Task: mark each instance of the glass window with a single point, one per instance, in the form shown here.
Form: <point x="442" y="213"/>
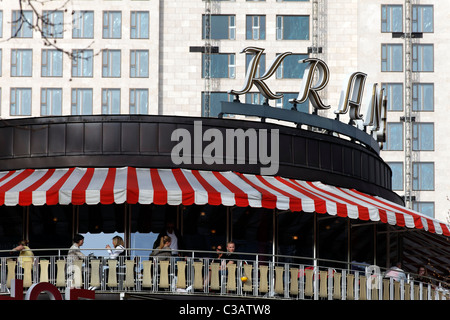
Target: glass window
<point x="285" y="104"/>
<point x="423" y="176"/>
<point x="1" y="23"/>
<point x="110" y="101"/>
<point x="51" y="63"/>
<point x="82" y="63"/>
<point x="391" y="57"/>
<point x="139" y="24"/>
<point x="215" y="99"/>
<point x="391" y="18"/>
<point x="423" y="97"/>
<point x="255" y="28"/>
<point x="83" y="25"/>
<point x="111" y="63"/>
<point x="139" y="64"/>
<point x="422" y="18"/>
<point x="290" y="68"/>
<point x="423" y="58"/>
<point x="21" y="62"/>
<point x="1" y="62"/>
<point x="394" y="94"/>
<point x="423" y="136"/>
<point x="397" y="175"/>
<point x="220" y="27"/>
<point x="292" y="27"/>
<point x="81" y="103"/>
<point x="426" y="208"/>
<point x="51" y="101"/>
<point x="394" y="136"/>
<point x="20" y="102"/>
<point x="138" y="101"/>
<point x="112" y="25"/>
<point x="222" y="66"/>
<point x="22" y="24"/>
<point x="52" y="24"/>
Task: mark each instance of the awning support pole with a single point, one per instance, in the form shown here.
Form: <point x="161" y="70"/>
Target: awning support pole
<point x="315" y="250"/>
<point x="349" y="244"/>
<point x="274" y="234"/>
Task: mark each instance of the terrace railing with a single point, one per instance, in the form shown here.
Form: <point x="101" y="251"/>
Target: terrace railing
<point x="197" y="273"/>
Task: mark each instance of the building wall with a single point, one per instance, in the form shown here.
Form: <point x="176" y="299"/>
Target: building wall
<point x="349" y="33"/>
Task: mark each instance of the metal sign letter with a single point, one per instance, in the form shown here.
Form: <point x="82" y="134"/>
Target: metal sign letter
<point x="259" y="82"/>
<point x="351" y="96"/>
<point x="307" y="89"/>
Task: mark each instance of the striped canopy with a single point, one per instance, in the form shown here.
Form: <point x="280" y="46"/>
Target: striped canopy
<point x="92" y="186"/>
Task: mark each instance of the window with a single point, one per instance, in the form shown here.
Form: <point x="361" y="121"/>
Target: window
<point x="51" y="101"/>
<point x="110" y="101"/>
<point x="423" y="136"/>
<point x="1" y="62"/>
<point x="222" y="66"/>
<point x="111" y="63"/>
<point x="423" y="96"/>
<point x="20" y="102"/>
<point x="112" y="25"/>
<point x="83" y="25"/>
<point x="255" y="28"/>
<point x="394" y="94"/>
<point x="262" y="64"/>
<point x="220" y="27"/>
<point x="139" y="64"/>
<point x="423" y="176"/>
<point x="22" y="24"/>
<point x="290" y="68"/>
<point x="52" y="24"/>
<point x="426" y="208"/>
<point x="1" y="23"/>
<point x="422" y="58"/>
<point x="292" y="27"/>
<point x="391" y="57"/>
<point x="422" y="18"/>
<point x="215" y="98"/>
<point x="391" y="18"/>
<point x="394" y="136"/>
<point x="285" y="104"/>
<point x="138" y="101"/>
<point x="254" y="98"/>
<point x="81" y="103"/>
<point x="82" y="64"/>
<point x="397" y="175"/>
<point x="21" y="62"/>
<point x="51" y="63"/>
<point x="139" y="24"/>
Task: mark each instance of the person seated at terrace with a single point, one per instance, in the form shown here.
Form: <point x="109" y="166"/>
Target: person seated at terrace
<point x="25" y="253"/>
<point x="119" y="249"/>
<point x="177" y="242"/>
<point x="396" y="272"/>
<point x="422" y="275"/>
<point x="163" y="251"/>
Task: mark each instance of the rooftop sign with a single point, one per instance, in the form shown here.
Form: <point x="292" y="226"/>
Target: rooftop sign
<point x="351" y="98"/>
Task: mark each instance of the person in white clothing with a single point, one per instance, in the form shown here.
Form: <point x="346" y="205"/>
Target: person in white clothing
<point x="119" y="248"/>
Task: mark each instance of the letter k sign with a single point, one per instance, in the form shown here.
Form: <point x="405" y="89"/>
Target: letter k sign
<point x="259" y="82"/>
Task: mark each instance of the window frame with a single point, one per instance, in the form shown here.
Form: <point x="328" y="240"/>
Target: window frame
<point x="82" y="26"/>
<point x="388" y="47"/>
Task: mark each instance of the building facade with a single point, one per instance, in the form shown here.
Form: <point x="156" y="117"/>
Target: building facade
<point x="181" y="57"/>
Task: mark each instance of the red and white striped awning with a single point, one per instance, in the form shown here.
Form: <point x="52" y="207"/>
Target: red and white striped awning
<point x="181" y="186"/>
